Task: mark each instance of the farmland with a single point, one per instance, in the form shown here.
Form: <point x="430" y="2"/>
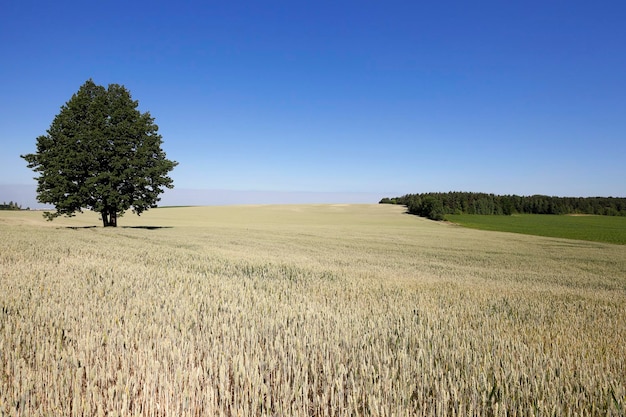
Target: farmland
<point x="335" y="310"/>
<point x="610" y="229"/>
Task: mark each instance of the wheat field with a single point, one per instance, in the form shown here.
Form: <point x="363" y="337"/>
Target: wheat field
<point x="305" y="310"/>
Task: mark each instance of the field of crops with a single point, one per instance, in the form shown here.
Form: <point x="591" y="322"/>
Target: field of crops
<point x="326" y="310"/>
<point x="610" y="229"/>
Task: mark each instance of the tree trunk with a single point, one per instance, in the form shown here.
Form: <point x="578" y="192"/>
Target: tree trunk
<point x="109" y="218"/>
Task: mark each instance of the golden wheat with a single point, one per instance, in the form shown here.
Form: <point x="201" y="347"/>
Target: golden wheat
<point x="305" y="310"/>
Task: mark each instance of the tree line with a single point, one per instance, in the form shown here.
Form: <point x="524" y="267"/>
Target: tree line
<point x="11" y="206"/>
<point x="436" y="205"/>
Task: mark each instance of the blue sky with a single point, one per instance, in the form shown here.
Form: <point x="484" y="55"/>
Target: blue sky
<point x="275" y="101"/>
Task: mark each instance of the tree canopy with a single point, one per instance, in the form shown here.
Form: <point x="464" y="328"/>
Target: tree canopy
<point x="100" y="153"/>
<point x="436" y="205"/>
<point x="10" y="206"/>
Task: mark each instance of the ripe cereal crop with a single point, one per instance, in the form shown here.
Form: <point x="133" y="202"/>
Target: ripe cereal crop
<point x="305" y="310"/>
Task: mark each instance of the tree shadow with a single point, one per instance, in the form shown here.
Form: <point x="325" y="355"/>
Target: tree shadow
<point x="120" y="227"/>
<point x="147" y="227"/>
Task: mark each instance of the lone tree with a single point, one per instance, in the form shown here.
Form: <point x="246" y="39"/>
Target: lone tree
<point x="102" y="154"/>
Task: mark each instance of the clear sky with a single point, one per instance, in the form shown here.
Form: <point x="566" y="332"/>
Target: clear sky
<point x="344" y="100"/>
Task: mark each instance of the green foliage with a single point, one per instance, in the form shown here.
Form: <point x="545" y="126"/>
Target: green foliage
<point x="481" y="203"/>
<point x="10" y="206"/>
<point x="429" y="207"/>
<point x="610" y="229"/>
<point x="101" y="153"/>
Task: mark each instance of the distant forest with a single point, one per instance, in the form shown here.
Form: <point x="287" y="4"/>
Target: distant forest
<point x="10" y="206"/>
<point x="436" y="205"/>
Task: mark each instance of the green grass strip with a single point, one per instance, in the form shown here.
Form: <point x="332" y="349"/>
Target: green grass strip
<point x="609" y="229"/>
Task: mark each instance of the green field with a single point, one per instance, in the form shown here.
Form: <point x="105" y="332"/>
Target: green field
<point x="610" y="229"/>
<point x="305" y="310"/>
